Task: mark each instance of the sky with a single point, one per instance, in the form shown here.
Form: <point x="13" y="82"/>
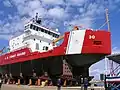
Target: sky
<point x="60" y="14"/>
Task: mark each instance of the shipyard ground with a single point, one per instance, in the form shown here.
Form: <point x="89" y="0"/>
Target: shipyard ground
<point x="25" y="87"/>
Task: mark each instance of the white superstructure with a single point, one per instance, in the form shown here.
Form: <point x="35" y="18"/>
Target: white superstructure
<point x="35" y="37"/>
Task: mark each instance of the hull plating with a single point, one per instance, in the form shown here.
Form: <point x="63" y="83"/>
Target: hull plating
<point x="53" y="65"/>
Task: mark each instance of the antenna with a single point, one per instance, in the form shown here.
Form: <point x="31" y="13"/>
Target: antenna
<point x="36" y="16"/>
<point x="37" y="19"/>
<point x="107" y="20"/>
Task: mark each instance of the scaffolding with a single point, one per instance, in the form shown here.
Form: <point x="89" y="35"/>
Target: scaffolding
<point x="112" y="80"/>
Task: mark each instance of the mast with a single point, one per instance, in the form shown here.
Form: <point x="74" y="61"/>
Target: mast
<point x="107" y="20"/>
<point x="36" y="17"/>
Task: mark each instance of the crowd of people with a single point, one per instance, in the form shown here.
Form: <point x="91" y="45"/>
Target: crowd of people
<point x="42" y="81"/>
<point x="29" y="80"/>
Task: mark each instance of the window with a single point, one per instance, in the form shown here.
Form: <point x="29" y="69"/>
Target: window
<point x="45" y="31"/>
<point x="45" y="48"/>
<point x="37" y="46"/>
<point x="57" y="36"/>
<point x="37" y="28"/>
<point x="49" y="32"/>
<point x="31" y="26"/>
<point x="42" y="30"/>
<point x="53" y="35"/>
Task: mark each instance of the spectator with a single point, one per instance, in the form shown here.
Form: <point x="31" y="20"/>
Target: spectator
<point x="1" y="81"/>
<point x="85" y="84"/>
<point x="59" y="84"/>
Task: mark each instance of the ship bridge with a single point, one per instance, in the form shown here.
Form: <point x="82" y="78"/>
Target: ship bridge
<point x="35" y="36"/>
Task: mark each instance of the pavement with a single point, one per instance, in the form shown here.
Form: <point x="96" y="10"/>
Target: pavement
<point x="25" y="87"/>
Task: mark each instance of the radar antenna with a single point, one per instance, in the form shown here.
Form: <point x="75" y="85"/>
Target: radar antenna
<point x="36" y="16"/>
<point x="38" y="20"/>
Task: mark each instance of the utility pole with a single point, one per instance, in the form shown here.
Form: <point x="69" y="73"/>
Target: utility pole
<point x="107" y="20"/>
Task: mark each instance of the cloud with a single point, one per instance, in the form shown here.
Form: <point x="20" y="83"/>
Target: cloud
<point x="15" y="26"/>
<point x="53" y="2"/>
<point x="115" y="49"/>
<point x="56" y="14"/>
<point x="76" y="2"/>
<point x="18" y="2"/>
<point x="7" y="3"/>
<point x="84" y="21"/>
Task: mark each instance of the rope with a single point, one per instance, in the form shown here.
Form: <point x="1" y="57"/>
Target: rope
<point x="102" y="25"/>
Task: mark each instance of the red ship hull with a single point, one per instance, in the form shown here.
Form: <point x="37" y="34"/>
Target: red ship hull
<point x="52" y="61"/>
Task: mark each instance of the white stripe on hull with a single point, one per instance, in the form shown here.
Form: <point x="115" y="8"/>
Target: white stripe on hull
<point x="75" y="42"/>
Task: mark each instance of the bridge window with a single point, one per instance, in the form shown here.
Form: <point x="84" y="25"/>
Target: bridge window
<point x="55" y="35"/>
<point x="43" y="30"/>
<point x="31" y="26"/>
<point x="37" y="28"/>
<point x="49" y="32"/>
<point x="34" y="27"/>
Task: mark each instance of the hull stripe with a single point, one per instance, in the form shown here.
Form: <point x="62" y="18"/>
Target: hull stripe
<point x="75" y="42"/>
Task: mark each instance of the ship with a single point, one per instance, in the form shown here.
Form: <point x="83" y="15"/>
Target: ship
<point x="39" y="50"/>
